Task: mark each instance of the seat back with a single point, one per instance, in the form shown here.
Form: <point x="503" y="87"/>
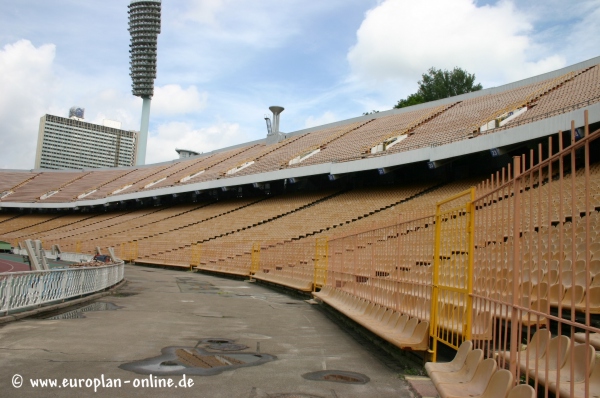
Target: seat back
<point x="522" y="391"/>
<point x="499" y="385"/>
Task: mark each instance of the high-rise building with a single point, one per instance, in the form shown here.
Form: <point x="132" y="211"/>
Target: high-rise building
<point x="71" y="143"/>
<point x="144" y="27"/>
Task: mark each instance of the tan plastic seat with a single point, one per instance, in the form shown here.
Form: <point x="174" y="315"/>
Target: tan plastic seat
<point x="498" y="387"/>
<point x="594" y="385"/>
<point x="522" y="391"/>
<point x="534" y="350"/>
<point x="474" y="387"/>
<point x="537" y="346"/>
<point x="594" y="339"/>
<point x="554" y="358"/>
<point x="408" y="330"/>
<point x="419" y="340"/>
<point x="455" y="364"/>
<point x="582" y="354"/>
<point x="464" y="374"/>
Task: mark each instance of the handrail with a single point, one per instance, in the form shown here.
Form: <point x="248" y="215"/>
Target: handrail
<point x="22" y="290"/>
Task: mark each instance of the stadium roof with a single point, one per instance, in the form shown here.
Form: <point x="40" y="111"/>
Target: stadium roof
<point x="555" y="97"/>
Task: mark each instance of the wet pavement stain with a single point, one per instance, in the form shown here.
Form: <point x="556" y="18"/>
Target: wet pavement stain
<point x="337" y="376"/>
<point x="177" y="360"/>
<point x="79" y="312"/>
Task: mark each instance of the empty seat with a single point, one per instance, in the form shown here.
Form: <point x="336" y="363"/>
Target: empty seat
<point x="473" y="387"/>
<point x="464" y="374"/>
<point x="455" y="364"/>
<point x="521" y="391"/>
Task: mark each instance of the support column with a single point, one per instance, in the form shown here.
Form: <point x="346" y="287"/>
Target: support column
<point x="143" y="137"/>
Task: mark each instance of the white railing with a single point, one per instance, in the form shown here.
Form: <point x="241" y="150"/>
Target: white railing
<point x="20" y="290"/>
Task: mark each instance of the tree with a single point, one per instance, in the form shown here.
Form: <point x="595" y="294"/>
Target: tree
<point x="437" y="84"/>
<point x="370" y="113"/>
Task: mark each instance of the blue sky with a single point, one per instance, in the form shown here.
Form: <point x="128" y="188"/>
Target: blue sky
<point x="222" y="63"/>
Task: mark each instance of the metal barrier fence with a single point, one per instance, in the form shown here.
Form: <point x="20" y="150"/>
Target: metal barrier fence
<point x="537" y="265"/>
<point x="513" y="265"/>
<point x="22" y="290"/>
<point x="389" y="266"/>
<point x="451" y="304"/>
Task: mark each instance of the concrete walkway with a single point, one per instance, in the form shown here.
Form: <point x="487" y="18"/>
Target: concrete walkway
<point x="164" y="308"/>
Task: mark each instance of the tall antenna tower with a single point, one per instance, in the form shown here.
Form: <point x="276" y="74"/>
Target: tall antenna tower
<point x="144" y="27"/>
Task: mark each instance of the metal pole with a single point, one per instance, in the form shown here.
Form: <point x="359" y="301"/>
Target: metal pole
<point x="143" y="136"/>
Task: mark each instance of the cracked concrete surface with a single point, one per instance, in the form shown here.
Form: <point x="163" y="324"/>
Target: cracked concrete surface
<point x="159" y="315"/>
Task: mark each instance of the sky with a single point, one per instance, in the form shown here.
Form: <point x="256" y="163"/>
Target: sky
<point x="222" y="63"/>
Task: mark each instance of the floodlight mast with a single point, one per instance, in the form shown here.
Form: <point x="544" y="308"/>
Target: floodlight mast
<point x="144" y="27"/>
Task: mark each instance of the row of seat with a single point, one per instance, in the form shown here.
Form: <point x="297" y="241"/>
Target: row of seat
<point x="398" y="329"/>
<point x="469" y="375"/>
<point x="559" y="364"/>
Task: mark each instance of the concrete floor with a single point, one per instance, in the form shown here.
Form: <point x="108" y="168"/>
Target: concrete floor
<point x="163" y="308"/>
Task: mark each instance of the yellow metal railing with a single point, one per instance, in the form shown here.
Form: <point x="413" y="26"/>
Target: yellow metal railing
<point x="255" y="259"/>
<point x="196" y="255"/>
<point x="451" y="302"/>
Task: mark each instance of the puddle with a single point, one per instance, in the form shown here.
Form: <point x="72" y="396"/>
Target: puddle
<point x="255" y="336"/>
<point x="292" y="395"/>
<point x="124" y="294"/>
<point x="337" y="376"/>
<point x="195" y="361"/>
<point x="189" y="285"/>
<point x="79" y="312"/>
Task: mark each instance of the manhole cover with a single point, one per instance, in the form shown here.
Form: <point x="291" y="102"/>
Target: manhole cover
<point x="78" y="312"/>
<point x="195" y="361"/>
<point x="338" y="376"/>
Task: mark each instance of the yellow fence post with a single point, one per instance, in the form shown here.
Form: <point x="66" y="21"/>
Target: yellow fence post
<point x="321" y="260"/>
<point x="255" y="258"/>
<point x="452" y="282"/>
<point x="134" y="253"/>
<point x="196" y="255"/>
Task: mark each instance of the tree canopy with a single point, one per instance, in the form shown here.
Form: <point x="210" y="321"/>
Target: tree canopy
<point x="437" y="84"/>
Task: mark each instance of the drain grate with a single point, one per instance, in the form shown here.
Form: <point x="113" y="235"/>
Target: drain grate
<point x="215" y="340"/>
<point x="228" y="347"/>
<point x="337" y="376"/>
<point x="222" y="344"/>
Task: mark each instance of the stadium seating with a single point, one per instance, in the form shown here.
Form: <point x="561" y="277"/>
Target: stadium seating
<point x="536" y="257"/>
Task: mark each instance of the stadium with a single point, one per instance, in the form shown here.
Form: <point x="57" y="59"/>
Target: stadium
<point x="468" y="224"/>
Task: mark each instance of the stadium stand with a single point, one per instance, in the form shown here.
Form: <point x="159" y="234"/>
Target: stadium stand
<point x="421" y="251"/>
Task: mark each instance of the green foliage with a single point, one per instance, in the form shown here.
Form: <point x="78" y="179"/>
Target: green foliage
<point x="437" y="84"/>
<point x="370" y="113"/>
<point x="413" y="99"/>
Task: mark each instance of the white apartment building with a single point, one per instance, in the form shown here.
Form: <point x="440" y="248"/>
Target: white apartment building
<point x="71" y="143"/>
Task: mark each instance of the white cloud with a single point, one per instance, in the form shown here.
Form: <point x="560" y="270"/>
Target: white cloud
<point x="28" y="83"/>
<point x="401" y="39"/>
<point x="182" y="135"/>
<point x="172" y="100"/>
<point x="327" y="117"/>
